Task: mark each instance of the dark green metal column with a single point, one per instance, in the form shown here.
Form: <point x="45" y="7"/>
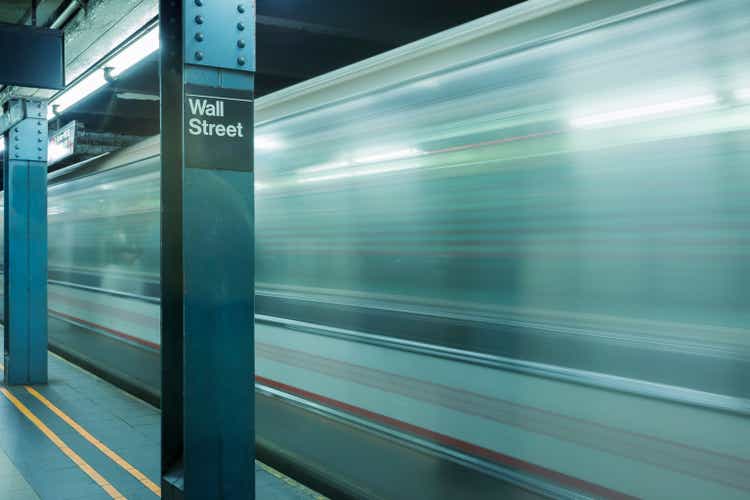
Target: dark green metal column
<point x="207" y="274"/>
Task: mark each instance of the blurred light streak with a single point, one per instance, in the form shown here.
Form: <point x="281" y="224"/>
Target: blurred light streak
<point x="388" y="155"/>
<point x="648" y="111"/>
<point x="267" y="143"/>
<point x="742" y="94"/>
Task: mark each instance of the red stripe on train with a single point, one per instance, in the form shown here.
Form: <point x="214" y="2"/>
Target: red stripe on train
<point x="116" y="333"/>
<point x="451" y="442"/>
<point x="437" y="437"/>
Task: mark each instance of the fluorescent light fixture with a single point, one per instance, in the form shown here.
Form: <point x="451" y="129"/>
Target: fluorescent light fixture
<point x="80" y="90"/>
<point x="267" y="143"/>
<point x="388" y="156"/>
<point x="2" y="144"/>
<point x="742" y="94"/>
<point x="120" y="62"/>
<point x="135" y="52"/>
<point x="648" y="111"/>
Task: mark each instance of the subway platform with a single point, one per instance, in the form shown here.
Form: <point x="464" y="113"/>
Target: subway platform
<point x="81" y="438"/>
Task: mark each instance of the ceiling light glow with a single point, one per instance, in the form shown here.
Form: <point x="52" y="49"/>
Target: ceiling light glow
<point x="135" y="52"/>
<point x="120" y="62"/>
<point x="80" y="90"/>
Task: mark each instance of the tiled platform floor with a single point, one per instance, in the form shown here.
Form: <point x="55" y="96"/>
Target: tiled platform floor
<point x="32" y="466"/>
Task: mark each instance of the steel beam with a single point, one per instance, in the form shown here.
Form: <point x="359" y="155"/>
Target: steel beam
<point x="25" y="250"/>
<point x="207" y="69"/>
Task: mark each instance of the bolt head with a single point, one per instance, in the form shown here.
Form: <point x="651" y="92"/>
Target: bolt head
<point x="241" y="61"/>
<point x="241" y="43"/>
<point x="198" y="19"/>
<point x="240" y="26"/>
<point x="199" y="37"/>
<point x="199" y="3"/>
<point x="199" y="55"/>
<point x="241" y="9"/>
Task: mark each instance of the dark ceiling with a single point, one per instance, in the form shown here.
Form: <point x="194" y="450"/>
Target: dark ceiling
<point x="296" y="40"/>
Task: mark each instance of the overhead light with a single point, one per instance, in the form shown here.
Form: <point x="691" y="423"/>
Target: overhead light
<point x="72" y="95"/>
<point x="647" y="111"/>
<point x="267" y="143"/>
<point x="388" y="155"/>
<point x="135" y="52"/>
<point x="120" y="62"/>
<point x="2" y="144"/>
<point x="742" y="94"/>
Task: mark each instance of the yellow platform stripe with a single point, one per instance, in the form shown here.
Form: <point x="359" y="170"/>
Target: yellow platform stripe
<point x="291" y="482"/>
<point x="96" y="443"/>
<point x="72" y="455"/>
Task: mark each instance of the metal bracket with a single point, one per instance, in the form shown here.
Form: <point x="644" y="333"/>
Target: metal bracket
<point x="13" y="112"/>
<point x="108" y="74"/>
<point x="25" y="124"/>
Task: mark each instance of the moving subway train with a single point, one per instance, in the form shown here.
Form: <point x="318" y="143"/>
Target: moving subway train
<point x="506" y="261"/>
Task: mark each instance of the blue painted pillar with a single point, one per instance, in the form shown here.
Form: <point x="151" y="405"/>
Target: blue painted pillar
<point x="25" y="249"/>
<point x="207" y="274"/>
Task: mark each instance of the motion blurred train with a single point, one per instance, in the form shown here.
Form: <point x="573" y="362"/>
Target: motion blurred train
<point x="506" y="261"/>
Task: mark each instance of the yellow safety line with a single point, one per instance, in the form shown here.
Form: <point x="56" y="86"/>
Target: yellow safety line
<point x="291" y="482"/>
<point x="98" y="444"/>
<point x="81" y="463"/>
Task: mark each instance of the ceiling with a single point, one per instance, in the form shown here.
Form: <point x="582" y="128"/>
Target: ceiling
<point x="19" y="11"/>
<point x="296" y="40"/>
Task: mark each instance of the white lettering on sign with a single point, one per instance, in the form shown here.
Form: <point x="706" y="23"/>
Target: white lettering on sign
<point x="201" y="126"/>
<point x="203" y="107"/>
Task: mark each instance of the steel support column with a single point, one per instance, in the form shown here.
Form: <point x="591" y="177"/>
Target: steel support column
<point x="25" y="250"/>
<point x="207" y="270"/>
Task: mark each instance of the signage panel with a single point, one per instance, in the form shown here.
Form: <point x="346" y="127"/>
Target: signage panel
<point x="31" y="57"/>
<point x="218" y="128"/>
<point x="62" y="143"/>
